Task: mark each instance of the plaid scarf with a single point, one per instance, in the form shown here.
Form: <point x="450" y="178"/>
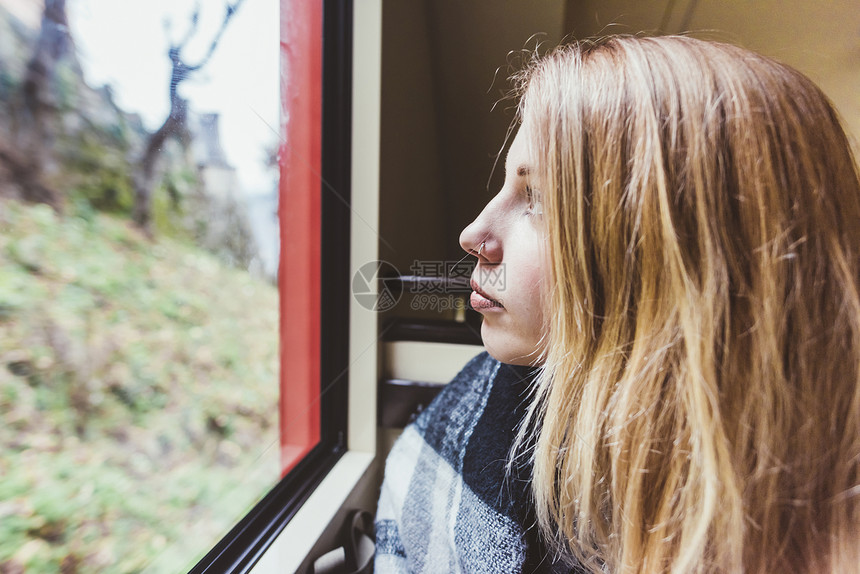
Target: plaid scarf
<point x="447" y="503"/>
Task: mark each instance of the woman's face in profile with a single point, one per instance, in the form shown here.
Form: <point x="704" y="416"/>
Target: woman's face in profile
<point x="508" y="280"/>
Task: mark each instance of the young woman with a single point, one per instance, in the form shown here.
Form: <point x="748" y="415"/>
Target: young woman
<point x="680" y="231"/>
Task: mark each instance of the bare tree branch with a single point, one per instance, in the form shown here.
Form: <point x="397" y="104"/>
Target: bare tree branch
<point x="192" y="29"/>
<point x="228" y="14"/>
<point x="174" y="124"/>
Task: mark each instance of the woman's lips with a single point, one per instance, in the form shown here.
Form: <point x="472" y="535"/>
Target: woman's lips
<point x="480" y="301"/>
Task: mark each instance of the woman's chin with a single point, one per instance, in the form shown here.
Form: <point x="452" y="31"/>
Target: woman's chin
<point x="507" y="348"/>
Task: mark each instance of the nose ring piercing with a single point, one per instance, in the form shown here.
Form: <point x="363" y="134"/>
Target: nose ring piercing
<point x="481" y="247"/>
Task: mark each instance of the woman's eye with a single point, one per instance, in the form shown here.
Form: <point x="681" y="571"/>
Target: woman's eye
<point x="534" y="201"/>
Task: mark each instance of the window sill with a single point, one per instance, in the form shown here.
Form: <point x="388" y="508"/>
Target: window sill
<point x="293" y="545"/>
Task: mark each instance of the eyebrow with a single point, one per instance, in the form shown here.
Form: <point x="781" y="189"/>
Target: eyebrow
<point x="523" y="171"/>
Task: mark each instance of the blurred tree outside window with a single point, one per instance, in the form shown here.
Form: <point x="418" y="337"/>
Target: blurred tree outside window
<point x="138" y="335"/>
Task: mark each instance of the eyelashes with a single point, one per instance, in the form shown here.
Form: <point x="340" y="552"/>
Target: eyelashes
<point x="535" y="205"/>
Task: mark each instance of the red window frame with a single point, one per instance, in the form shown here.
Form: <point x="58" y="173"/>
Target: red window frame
<point x="299" y="212"/>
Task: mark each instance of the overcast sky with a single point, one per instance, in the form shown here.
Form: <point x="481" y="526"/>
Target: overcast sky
<point x="124" y="43"/>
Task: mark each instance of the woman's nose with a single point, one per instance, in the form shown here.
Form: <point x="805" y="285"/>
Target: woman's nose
<point x="484" y="236"/>
<point x="470" y="238"/>
<point x="478" y="238"/>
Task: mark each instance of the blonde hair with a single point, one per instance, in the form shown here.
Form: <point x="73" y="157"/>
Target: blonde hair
<point x="699" y="406"/>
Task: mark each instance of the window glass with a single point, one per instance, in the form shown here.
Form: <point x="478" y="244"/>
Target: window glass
<point x="139" y="323"/>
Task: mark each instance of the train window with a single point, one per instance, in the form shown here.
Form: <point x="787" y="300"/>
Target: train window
<point x="162" y="345"/>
